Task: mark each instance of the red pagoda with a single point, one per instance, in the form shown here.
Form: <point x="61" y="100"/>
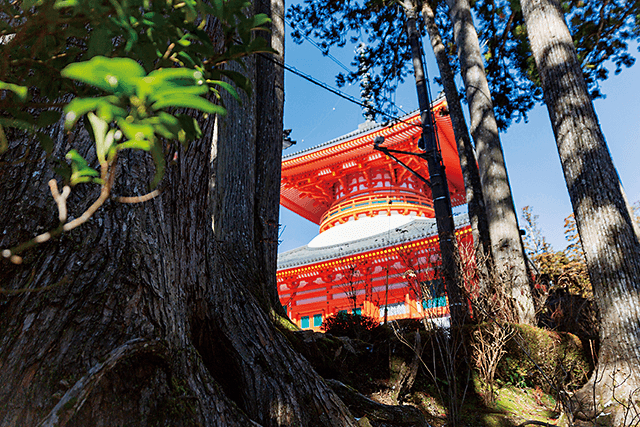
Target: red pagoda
<point x="377" y="251"/>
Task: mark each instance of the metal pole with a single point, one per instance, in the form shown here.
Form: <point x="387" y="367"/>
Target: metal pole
<point x="437" y="177"/>
<point x="386" y="295"/>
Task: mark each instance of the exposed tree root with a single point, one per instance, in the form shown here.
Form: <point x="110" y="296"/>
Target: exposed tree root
<point x="362" y="406"/>
<point x="75" y="397"/>
<point x="611" y="396"/>
<point x="536" y="423"/>
<point x="407" y="373"/>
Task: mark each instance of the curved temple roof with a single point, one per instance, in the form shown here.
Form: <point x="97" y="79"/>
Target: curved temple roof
<point x="417" y="228"/>
<point x="308" y="174"/>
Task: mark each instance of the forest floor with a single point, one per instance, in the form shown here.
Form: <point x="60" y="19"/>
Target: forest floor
<point x="513" y="407"/>
<point x="536" y="366"/>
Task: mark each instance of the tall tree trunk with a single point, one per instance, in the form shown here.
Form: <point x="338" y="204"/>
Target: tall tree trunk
<point x="506" y="246"/>
<point x="269" y="136"/>
<point x="142" y="315"/>
<point x="252" y="166"/>
<point x="610" y="244"/>
<point x="451" y="267"/>
<point x="468" y="163"/>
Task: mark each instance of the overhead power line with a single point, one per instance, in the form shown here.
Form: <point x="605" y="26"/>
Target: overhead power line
<point x="335" y="91"/>
<point x="329" y="55"/>
<point x="324" y="52"/>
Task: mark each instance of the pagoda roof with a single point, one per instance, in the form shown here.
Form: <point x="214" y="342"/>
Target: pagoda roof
<point x="417" y="229"/>
<point x="304" y="172"/>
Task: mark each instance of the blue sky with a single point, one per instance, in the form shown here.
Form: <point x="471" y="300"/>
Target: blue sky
<point x="316" y="116"/>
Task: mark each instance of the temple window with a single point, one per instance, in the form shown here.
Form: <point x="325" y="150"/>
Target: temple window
<point x="317" y="320"/>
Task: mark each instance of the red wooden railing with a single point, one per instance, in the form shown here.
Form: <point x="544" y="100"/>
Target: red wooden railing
<point x="373" y="203"/>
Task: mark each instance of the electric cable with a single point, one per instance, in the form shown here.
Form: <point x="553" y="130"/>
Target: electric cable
<point x="324" y="53"/>
<point x="333" y="58"/>
<point x="337" y="92"/>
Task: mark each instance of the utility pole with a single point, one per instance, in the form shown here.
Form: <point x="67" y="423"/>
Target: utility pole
<point x="429" y="146"/>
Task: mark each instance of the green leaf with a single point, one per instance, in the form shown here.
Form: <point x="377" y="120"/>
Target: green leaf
<point x="217" y="8"/>
<point x="99" y="42"/>
<point x="79" y="107"/>
<point x="109" y="112"/>
<point x="20" y="91"/>
<point x="190" y="12"/>
<point x="190" y="101"/>
<point x="115" y="75"/>
<point x="171" y="80"/>
<point x="184" y="42"/>
<point x="59" y="4"/>
<point x="187" y="59"/>
<point x="80" y="169"/>
<point x="169" y="129"/>
<point x="46" y="142"/>
<point x="190" y="127"/>
<point x="135" y="145"/>
<point x="63" y="169"/>
<point x="166" y="125"/>
<point x="136" y="131"/>
<point x="16" y="123"/>
<point x="47" y="118"/>
<point x="76" y="158"/>
<point x="260" y="20"/>
<point x="102" y="136"/>
<point x="28" y="4"/>
<point x="4" y="144"/>
<point x="104" y="106"/>
<point x="158" y="159"/>
<point x="170" y="91"/>
<point x="239" y="79"/>
<point x="228" y="87"/>
<point x="25" y="117"/>
<point x="179" y="76"/>
<point x="168" y="120"/>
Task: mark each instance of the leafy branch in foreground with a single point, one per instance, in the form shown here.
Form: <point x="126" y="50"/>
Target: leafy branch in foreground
<point x="130" y="70"/>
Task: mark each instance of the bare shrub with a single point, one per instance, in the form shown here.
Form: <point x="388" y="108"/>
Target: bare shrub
<point x="485" y="290"/>
<point x="488" y="344"/>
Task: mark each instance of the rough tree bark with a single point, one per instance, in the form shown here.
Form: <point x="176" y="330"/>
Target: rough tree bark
<point x="147" y="317"/>
<point x="606" y="230"/>
<point x="249" y="232"/>
<point x="270" y="112"/>
<point x="468" y="162"/>
<point x="506" y="246"/>
<point x="451" y="268"/>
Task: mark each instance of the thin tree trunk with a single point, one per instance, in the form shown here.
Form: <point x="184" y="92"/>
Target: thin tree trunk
<point x="468" y="163"/>
<point x="506" y="246"/>
<point x="451" y="267"/>
<point x="611" y="246"/>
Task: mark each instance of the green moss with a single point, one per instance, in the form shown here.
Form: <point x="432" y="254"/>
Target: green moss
<point x="178" y="405"/>
<point x="283" y="322"/>
<point x="495" y="420"/>
<point x="70" y="404"/>
<point x="178" y="387"/>
<point x="547" y="359"/>
<point x="513" y="406"/>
